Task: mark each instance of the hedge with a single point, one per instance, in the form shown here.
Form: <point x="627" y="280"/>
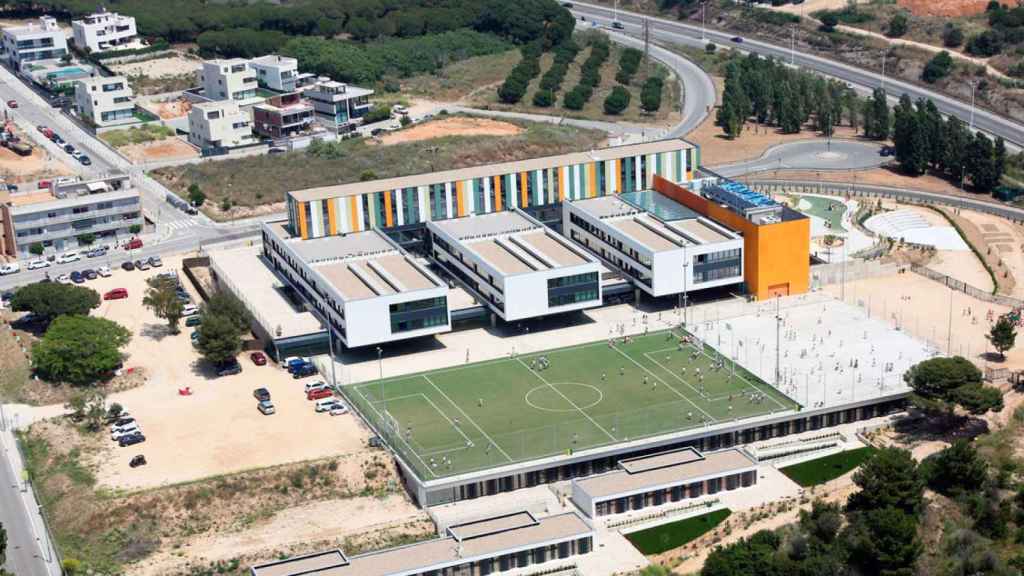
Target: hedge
<point x="650" y="95"/>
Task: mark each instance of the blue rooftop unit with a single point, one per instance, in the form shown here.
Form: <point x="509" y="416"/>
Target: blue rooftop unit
<point x="739" y="197"/>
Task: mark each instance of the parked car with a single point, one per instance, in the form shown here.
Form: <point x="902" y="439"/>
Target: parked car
<point x="9" y="268"/>
<point x="325" y="404"/>
<point x="96" y="252"/>
<point x="194" y="337"/>
<point x="126" y="430"/>
<point x="137" y="461"/>
<point x="103" y="271"/>
<point x="77" y="277"/>
<point x="12" y="103"/>
<point x="122" y="415"/>
<point x="155" y="262"/>
<point x="64" y="279"/>
<point x="258" y="358"/>
<point x="56" y="138"/>
<point x="133" y="244"/>
<point x="141" y="265"/>
<point x="190" y="310"/>
<point x="304" y="371"/>
<point x="85" y="160"/>
<point x="68" y="257"/>
<point x="339" y="409"/>
<point x="127" y="265"/>
<point x="37" y="264"/>
<point x="261" y="394"/>
<point x="116" y="294"/>
<point x="618" y="25"/>
<point x="293" y="363"/>
<point x="375" y="442"/>
<point x="277" y="150"/>
<point x="317" y="385"/>
<point x="131" y="440"/>
<point x="121" y="421"/>
<point x="193" y="321"/>
<point x="229" y="368"/>
<point x="266" y="407"/>
<point x="89" y="274"/>
<point x="69" y="148"/>
<point x="319" y="394"/>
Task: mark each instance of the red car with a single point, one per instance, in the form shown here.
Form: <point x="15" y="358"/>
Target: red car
<point x="258" y="358"/>
<point x="116" y="294"/>
<point x="318" y="393"/>
<point x="133" y="244"/>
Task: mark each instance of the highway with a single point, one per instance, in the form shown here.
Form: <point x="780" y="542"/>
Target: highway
<point x="671" y="31"/>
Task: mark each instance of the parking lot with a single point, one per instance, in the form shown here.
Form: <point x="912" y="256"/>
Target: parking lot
<point x="217" y="429"/>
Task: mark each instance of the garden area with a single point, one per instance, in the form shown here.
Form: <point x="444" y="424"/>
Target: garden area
<point x="821" y="470"/>
<point x="675" y="534"/>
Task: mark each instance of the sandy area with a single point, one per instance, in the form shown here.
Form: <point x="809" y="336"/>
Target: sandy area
<point x="962" y="265"/>
<point x="299" y="525"/>
<point x="455" y="126"/>
<point x="810" y="6"/>
<point x="159" y="67"/>
<point x="39" y="165"/>
<point x="166" y="149"/>
<point x="945" y="7"/>
<point x="172" y="109"/>
<point x="217" y="429"/>
<point x="1006" y="240"/>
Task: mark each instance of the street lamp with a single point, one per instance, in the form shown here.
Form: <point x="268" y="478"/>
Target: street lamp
<point x="380" y="366"/>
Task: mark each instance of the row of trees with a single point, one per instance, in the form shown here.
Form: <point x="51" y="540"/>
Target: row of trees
<point x="518" y="80"/>
<point x="590" y="74"/>
<point x="551" y="81"/>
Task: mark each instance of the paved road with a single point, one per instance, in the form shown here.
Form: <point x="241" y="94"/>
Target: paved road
<point x="810" y="155"/>
<point x="681" y="33"/>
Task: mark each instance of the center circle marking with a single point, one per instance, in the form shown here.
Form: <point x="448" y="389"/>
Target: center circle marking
<point x="556" y="385"/>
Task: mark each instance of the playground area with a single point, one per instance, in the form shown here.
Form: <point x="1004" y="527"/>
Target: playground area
<point x="529" y="406"/>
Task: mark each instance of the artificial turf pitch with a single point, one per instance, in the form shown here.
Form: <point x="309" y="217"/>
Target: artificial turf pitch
<point x="514" y="409"/>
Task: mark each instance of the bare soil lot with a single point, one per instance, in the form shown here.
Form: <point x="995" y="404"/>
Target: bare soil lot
<point x="159" y="67"/>
<point x="168" y="149"/>
<point x="17" y="169"/>
<point x="453" y="126"/>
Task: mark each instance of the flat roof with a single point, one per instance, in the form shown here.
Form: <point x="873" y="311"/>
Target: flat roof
<point x="645" y="235"/>
<point x="556" y="251"/>
<point x="274" y="60"/>
<point x="486" y="225"/>
<point x="673" y="468"/>
<point x="489" y="526"/>
<point x="479" y="542"/>
<point x="356" y="188"/>
<point x="700" y="230"/>
<point x="342" y="246"/>
<point x="307" y="564"/>
<point x="609" y="206"/>
<point x="41" y="200"/>
<point x="654" y="220"/>
<point x="506" y="261"/>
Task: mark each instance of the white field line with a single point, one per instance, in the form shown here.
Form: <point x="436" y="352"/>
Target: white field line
<point x="407" y="445"/>
<point x="559" y="392"/>
<point x="678" y="393"/>
<point x="489" y="439"/>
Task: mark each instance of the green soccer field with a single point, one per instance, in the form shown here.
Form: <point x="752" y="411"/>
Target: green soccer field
<point x="488" y="414"/>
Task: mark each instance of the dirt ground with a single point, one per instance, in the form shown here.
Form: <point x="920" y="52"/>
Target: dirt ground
<point x="945" y="7"/>
<point x="216" y="430"/>
<point x="1005" y="240"/>
<point x="454" y="126"/>
<point x="17" y="169"/>
<point x="809" y="6"/>
<point x="159" y="67"/>
<point x="172" y="109"/>
<point x="167" y="149"/>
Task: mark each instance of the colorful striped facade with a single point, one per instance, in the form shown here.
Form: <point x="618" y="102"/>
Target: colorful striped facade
<point x="421" y="198"/>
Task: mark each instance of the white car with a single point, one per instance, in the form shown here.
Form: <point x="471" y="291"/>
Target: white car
<point x="68" y="257"/>
<point x="339" y="409"/>
<point x="126" y="430"/>
<point x="64" y="279"/>
<point x="318" y="385"/>
<point x="190" y="310"/>
<point x="103" y="271"/>
<point x="327" y="404"/>
<point x="9" y="268"/>
<point x="37" y="264"/>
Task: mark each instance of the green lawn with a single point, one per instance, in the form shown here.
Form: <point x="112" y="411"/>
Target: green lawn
<point x="675" y="534"/>
<point x="488" y="414"/>
<point x="821" y="470"/>
<point x="818" y="206"/>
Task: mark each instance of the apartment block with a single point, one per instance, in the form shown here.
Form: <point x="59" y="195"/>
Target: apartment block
<point x="339" y="107"/>
<point x="37" y="41"/>
<point x="216" y="125"/>
<point x="515" y="265"/>
<point x="55" y="219"/>
<point x="232" y="80"/>
<point x="280" y="73"/>
<point x="282" y="116"/>
<point x="104" y="31"/>
<point x="368" y="288"/>
<point x="105" y="101"/>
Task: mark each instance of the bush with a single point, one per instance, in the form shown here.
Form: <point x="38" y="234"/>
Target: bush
<point x="377" y="114"/>
<point x="404" y="120"/>
<point x="543" y="98"/>
<point x="629" y="63"/>
<point x="564" y="55"/>
<point x="829" y="21"/>
<point x="938" y="67"/>
<point x="897" y="25"/>
<point x="988" y="43"/>
<point x="710" y="48"/>
<point x="135" y="228"/>
<point x="650" y="95"/>
<point x="590" y="75"/>
<point x="574" y="99"/>
<point x="86" y="239"/>
<point x="952" y="35"/>
<point x="36" y="248"/>
<point x="514" y="87"/>
<point x="240" y="42"/>
<point x="616" y="101"/>
<point x="196" y="195"/>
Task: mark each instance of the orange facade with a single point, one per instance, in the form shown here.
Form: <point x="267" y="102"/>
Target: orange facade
<point x="776" y="257"/>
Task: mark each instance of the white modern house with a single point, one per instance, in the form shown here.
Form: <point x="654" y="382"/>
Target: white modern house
<point x="104" y="31"/>
<point x="105" y="101"/>
<point x="280" y="73"/>
<point x="35" y="42"/>
<point x="663" y="247"/>
<point x="219" y="125"/>
<point x="339" y="107"/>
<point x="515" y="265"/>
<point x="367" y="286"/>
<point x="233" y="80"/>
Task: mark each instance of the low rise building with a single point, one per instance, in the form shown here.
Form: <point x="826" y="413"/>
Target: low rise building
<point x="280" y="73"/>
<point x="35" y="42"/>
<point x="515" y="265"/>
<point x="282" y="116"/>
<point x="367" y="287"/>
<point x="340" y="107"/>
<point x="104" y="31"/>
<point x="105" y="101"/>
<point x="106" y="209"/>
<point x="219" y="125"/>
<point x="662" y="246"/>
<point x="488" y="546"/>
<point x="232" y="80"/>
<point x="663" y="478"/>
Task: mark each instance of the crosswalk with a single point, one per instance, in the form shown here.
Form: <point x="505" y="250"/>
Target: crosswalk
<point x="182" y="224"/>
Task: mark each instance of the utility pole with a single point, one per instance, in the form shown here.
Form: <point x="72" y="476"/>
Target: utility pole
<point x="703" y="5"/>
<point x="647" y="40"/>
<point x="973" y="86"/>
<point x="778" y="341"/>
<point x="884" y="52"/>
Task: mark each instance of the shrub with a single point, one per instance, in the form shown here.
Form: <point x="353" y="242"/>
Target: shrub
<point x="377" y="114"/>
<point x="196" y="195"/>
<point x="616" y="101"/>
<point x="574" y="99"/>
<point x="564" y="55"/>
<point x="952" y="35"/>
<point x="710" y="48"/>
<point x="629" y="63"/>
<point x="938" y="67"/>
<point x="988" y="43"/>
<point x="650" y="95"/>
<point x="135" y="228"/>
<point x="86" y="239"/>
<point x="590" y="75"/>
<point x="543" y="98"/>
<point x="897" y="25"/>
<point x="36" y="248"/>
<point x="404" y="120"/>
<point x="514" y="87"/>
<point x="829" y="21"/>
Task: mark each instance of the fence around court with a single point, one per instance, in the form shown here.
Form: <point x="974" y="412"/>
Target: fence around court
<point x="836" y="272"/>
<point x="961" y="286"/>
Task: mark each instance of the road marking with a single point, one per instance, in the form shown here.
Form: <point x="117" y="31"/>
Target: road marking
<point x="489" y="439"/>
<point x="559" y="392"/>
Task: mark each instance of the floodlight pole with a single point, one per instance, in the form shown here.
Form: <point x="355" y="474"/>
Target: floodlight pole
<point x="778" y="340"/>
<point x="380" y="366"/>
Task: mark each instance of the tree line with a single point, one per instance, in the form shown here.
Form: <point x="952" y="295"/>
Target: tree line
<point x="773" y="94"/>
<point x="590" y="74"/>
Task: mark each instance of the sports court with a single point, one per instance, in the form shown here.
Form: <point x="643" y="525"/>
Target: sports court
<point x="518" y="408"/>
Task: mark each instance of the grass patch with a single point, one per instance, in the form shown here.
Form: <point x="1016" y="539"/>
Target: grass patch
<point x="260" y="180"/>
<point x="821" y="470"/>
<point x="460" y="79"/>
<point x="675" y="534"/>
<point x="137" y="135"/>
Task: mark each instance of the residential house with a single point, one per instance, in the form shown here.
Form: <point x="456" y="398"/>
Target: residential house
<point x="105" y="101"/>
<point x="35" y="42"/>
<point x="104" y="31"/>
<point x="338" y="106"/>
<point x="282" y="116"/>
<point x="218" y="125"/>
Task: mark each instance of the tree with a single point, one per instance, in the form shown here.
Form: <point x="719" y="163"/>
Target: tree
<point x="161" y="297"/>
<point x="942" y="384"/>
<point x="617" y="100"/>
<point x="876" y="116"/>
<point x="1003" y="335"/>
<point x="50" y="300"/>
<point x="543" y="98"/>
<point x="650" y="95"/>
<point x="829" y="21"/>
<point x="219" y="339"/>
<point x="822" y="522"/>
<point x="981" y="163"/>
<point x="710" y="48"/>
<point x="952" y="35"/>
<point x="889" y="479"/>
<point x="897" y="25"/>
<point x="36" y="248"/>
<point x="79" y="350"/>
<point x="574" y="99"/>
<point x="956" y="469"/>
<point x="225" y="304"/>
<point x="86" y="239"/>
<point x="884" y="541"/>
<point x="909" y="139"/>
<point x="135" y="228"/>
<point x="988" y="43"/>
<point x="938" y="67"/>
<point x="195" y="195"/>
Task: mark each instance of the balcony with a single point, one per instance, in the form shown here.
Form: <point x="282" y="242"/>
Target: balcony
<point x="72" y="232"/>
